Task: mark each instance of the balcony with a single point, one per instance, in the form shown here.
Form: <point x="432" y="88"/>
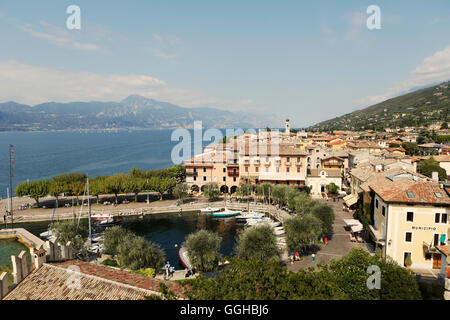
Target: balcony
<point x="298" y="163"/>
<point x="246" y="162"/>
<point x="287" y="163"/>
<point x="256" y="162"/>
<point x="267" y="162"/>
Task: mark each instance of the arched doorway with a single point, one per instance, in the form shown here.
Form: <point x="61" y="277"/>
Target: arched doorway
<point x="233" y="189"/>
<point x="195" y="188"/>
<point x="224" y="189"/>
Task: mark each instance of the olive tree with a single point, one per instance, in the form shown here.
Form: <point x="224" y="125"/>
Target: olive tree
<point x="258" y="242"/>
<point x="211" y="191"/>
<point x="302" y="231"/>
<point x="203" y="250"/>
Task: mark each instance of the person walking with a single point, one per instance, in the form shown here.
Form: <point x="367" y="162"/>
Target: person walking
<point x="326" y="240"/>
<point x="313" y="256"/>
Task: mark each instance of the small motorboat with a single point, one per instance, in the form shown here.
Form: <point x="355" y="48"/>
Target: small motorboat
<point x="97" y="237"/>
<point x="108" y="222"/>
<point x="209" y="210"/>
<point x="95" y="248"/>
<point x="226" y="214"/>
<point x="101" y="216"/>
<point x="246" y="216"/>
<point x="47" y="235"/>
<point x="183" y="255"/>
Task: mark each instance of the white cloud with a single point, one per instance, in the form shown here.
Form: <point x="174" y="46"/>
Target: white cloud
<point x="435" y="68"/>
<point x="57" y="36"/>
<point x="32" y="85"/>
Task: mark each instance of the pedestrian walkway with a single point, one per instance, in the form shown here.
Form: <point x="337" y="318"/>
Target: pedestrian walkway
<point x="338" y="243"/>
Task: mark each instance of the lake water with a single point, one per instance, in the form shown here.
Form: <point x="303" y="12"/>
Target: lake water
<point x="9" y="247"/>
<point x="167" y="230"/>
<point x="42" y="155"/>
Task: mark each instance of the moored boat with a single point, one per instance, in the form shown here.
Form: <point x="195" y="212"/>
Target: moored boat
<point x="209" y="210"/>
<point x="183" y="255"/>
<point x="226" y="213"/>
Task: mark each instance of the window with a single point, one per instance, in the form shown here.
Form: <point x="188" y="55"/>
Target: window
<point x="288" y="159"/>
<point x="234" y="179"/>
<point x="437" y="217"/>
<point x="408" y="237"/>
<point x="298" y="170"/>
<point x="410" y="195"/>
<point x="224" y="170"/>
<point x="204" y="169"/>
<point x="410" y="216"/>
<point x="195" y="169"/>
<point x="438" y="195"/>
<point x="436" y="239"/>
<point x="224" y="179"/>
<point x="298" y="159"/>
<point x="278" y="169"/>
<point x="376" y="203"/>
<point x="195" y="178"/>
<point x="383" y="212"/>
<point x="204" y="178"/>
<point x="288" y="169"/>
<point x="444" y="218"/>
<point x="257" y="169"/>
<point x="246" y="169"/>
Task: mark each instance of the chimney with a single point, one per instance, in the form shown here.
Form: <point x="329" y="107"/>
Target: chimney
<point x="435" y="176"/>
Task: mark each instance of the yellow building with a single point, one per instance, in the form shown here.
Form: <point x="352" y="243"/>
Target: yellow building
<point x="410" y="218"/>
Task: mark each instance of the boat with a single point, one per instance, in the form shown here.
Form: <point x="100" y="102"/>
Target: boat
<point x="101" y="216"/>
<point x="96" y="237"/>
<point x="47" y="235"/>
<point x="95" y="248"/>
<point x="246" y="216"/>
<point x="209" y="210"/>
<point x="108" y="222"/>
<point x="183" y="255"/>
<point x="226" y="213"/>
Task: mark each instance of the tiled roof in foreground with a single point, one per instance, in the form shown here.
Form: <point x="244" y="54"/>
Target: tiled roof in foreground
<point x="96" y="283"/>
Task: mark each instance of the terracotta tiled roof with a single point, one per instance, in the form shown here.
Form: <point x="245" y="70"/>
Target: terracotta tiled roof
<point x="422" y="191"/>
<point x="330" y="172"/>
<point x="96" y="283"/>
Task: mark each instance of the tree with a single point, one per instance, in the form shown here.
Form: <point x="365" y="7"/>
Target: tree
<point x="303" y="203"/>
<point x="115" y="184"/>
<point x="211" y="191"/>
<point x="38" y="189"/>
<point x="136" y="253"/>
<point x="57" y="186"/>
<point x="411" y="148"/>
<point x="265" y="190"/>
<point x="302" y="231"/>
<point x="162" y="185"/>
<point x="350" y="273"/>
<point x="203" y="250"/>
<point x="258" y="242"/>
<point x="255" y="279"/>
<point x="444" y="125"/>
<point x="428" y="166"/>
<point x="333" y="188"/>
<point x="181" y="190"/>
<point x="97" y="187"/>
<point x="133" y="185"/>
<point x="22" y="189"/>
<point x="112" y="238"/>
<point x="326" y="215"/>
<point x="69" y="230"/>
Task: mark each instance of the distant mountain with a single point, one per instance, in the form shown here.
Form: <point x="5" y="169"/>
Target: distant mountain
<point x="416" y="108"/>
<point x="133" y="112"/>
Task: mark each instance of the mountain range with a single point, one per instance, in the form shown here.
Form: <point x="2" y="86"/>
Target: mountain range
<point x="413" y="109"/>
<point x="134" y="112"/>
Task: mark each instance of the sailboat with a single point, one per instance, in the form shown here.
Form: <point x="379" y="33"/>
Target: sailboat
<point x="48" y="235"/>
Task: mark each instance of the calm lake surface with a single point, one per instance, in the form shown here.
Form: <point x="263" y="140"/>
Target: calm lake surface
<point x="163" y="229"/>
<point x="42" y="155"/>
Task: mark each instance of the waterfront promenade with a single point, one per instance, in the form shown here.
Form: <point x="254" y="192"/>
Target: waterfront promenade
<point x="129" y="209"/>
<point x="339" y="243"/>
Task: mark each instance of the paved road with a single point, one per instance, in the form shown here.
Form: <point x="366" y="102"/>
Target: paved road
<point x="338" y="243"/>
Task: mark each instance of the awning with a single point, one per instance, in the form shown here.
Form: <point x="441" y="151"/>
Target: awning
<point x="350" y="200"/>
<point x="352" y="222"/>
<point x="376" y="235"/>
<point x="356" y="228"/>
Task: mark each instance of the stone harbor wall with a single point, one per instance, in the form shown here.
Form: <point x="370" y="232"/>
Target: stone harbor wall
<point x="40" y="251"/>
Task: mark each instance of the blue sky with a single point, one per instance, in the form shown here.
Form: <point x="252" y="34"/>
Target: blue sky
<point x="306" y="60"/>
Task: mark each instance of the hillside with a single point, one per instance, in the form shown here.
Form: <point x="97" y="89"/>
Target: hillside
<point x="417" y="108"/>
<point x="132" y="112"/>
